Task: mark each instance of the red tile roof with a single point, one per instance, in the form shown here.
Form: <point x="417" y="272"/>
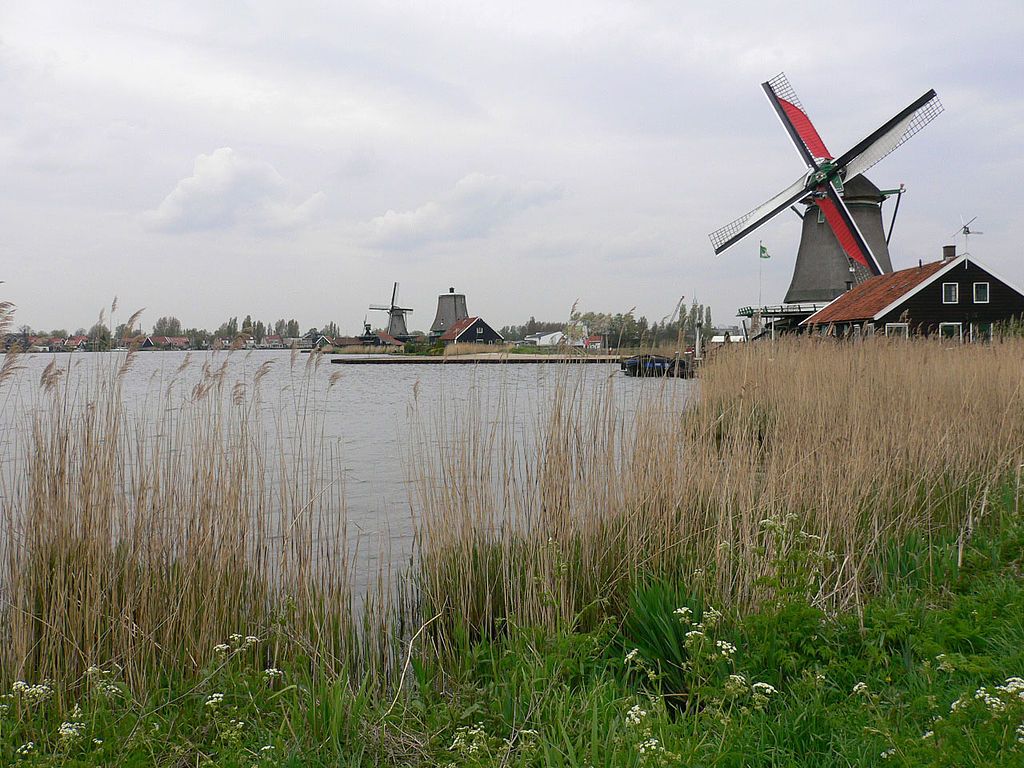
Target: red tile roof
<point x="869" y="298"/>
<point x="457" y="328"/>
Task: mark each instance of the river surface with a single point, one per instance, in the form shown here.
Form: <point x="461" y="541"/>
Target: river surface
<point x="376" y="420"/>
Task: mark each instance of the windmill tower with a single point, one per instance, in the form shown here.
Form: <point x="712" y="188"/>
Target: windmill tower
<point x="451" y="307"/>
<point x="842" y="241"/>
<point x="396" y="316"/>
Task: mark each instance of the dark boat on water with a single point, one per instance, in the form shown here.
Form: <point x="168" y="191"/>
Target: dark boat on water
<point x="658" y="365"/>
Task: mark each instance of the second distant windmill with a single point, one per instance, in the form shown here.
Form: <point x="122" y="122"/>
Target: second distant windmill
<point x="396" y="316"/>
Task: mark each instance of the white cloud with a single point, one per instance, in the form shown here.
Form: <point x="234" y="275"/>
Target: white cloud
<point x="473" y="208"/>
<point x="228" y="189"/>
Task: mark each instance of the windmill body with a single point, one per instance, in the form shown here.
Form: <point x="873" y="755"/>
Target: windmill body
<point x="451" y="307"/>
<point x="823" y="271"/>
<point x="843" y="241"/>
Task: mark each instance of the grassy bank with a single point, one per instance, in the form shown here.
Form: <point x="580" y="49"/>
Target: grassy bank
<point x="179" y="590"/>
<point x="927" y="674"/>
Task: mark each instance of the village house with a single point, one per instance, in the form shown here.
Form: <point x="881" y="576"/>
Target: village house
<point x="165" y="342"/>
<point x="471" y="330"/>
<point x="957" y="298"/>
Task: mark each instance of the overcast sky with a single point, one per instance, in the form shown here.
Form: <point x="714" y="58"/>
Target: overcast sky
<point x="294" y="159"/>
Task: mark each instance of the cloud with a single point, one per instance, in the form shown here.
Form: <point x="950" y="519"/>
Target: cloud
<point x="475" y="206"/>
<point x="228" y="189"/>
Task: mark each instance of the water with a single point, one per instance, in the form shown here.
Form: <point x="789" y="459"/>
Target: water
<point x="375" y="419"/>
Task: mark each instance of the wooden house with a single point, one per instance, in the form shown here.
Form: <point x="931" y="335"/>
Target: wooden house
<point x="957" y="298"/>
<point x="471" y="330"/>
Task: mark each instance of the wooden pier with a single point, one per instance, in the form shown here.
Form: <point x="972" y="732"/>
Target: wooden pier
<point x="496" y="358"/>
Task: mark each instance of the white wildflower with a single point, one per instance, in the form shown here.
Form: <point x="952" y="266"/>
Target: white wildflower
<point x="684" y="614"/>
<point x="928" y="734"/>
<point x="250" y="641"/>
<point x="70" y="731"/>
<point x="25" y="748"/>
<point x="273" y="673"/>
<point x="994" y="703"/>
<point x="650" y="750"/>
<point x="861" y="689"/>
<point x="32" y="694"/>
<point x="888" y="753"/>
<point x="764" y="688"/>
<point x="214" y="699"/>
<point x="726" y="649"/>
<point x="221" y="649"/>
<point x="1012" y="685"/>
<point x="635" y="715"/>
<point x="632" y="655"/>
<point x="1020" y="733"/>
<point x="235" y="638"/>
<point x="469" y="739"/>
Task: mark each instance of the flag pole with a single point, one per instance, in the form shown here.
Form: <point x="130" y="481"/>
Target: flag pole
<point x="760" y="272"/>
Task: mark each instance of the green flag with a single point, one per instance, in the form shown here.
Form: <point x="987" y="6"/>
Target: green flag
<point x="764" y="253"/>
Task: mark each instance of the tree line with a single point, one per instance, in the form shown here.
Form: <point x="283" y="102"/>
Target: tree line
<point x="101" y="336"/>
<point x="625" y="329"/>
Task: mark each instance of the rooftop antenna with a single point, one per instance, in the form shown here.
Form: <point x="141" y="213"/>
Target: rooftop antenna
<point x="966" y="231"/>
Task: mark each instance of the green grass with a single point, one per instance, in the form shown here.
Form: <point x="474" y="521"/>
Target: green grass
<point x="845" y="688"/>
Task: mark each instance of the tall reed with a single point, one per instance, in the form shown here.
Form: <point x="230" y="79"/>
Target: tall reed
<point x="146" y="533"/>
<point x="146" y="537"/>
<point x="857" y="444"/>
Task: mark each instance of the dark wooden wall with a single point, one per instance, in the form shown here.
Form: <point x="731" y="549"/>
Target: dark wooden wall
<point x="488" y="336"/>
<point x="925" y="310"/>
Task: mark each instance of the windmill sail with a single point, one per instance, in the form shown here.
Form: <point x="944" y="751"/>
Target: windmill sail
<point x="795" y="120"/>
<point x="891" y="135"/>
<point x="744" y="225"/>
<point x="845" y="229"/>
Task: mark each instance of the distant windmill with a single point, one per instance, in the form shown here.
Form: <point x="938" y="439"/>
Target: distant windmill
<point x="966" y="231"/>
<point x="842" y="240"/>
<point x="396" y="316"/>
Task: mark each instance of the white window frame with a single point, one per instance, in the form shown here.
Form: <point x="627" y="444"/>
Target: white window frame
<point x="899" y="330"/>
<point x="959" y="331"/>
<point x="956" y="293"/>
<point x="988" y="293"/>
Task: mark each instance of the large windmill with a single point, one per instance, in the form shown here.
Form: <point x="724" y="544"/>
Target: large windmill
<point x="396" y="316"/>
<point x="842" y="240"/>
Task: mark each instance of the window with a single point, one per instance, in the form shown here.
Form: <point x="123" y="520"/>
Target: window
<point x="981" y="331"/>
<point x="952" y="331"/>
<point x="951" y="293"/>
<point x="981" y="293"/>
<point x="899" y="330"/>
<point x="479" y="331"/>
